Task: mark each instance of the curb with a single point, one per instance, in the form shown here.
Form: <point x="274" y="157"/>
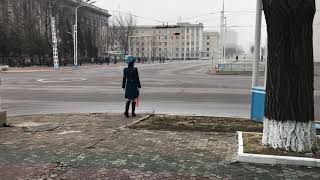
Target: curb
<point x="271" y="159"/>
<point x="139" y="120"/>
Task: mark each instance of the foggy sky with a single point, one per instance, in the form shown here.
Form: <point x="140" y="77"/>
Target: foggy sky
<point x="170" y="11"/>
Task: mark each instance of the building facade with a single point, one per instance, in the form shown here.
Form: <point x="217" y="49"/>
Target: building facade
<point x="22" y="21"/>
<point x="231" y="38"/>
<point x="210" y="45"/>
<point x="92" y="21"/>
<point x="181" y="41"/>
<point x="316" y="33"/>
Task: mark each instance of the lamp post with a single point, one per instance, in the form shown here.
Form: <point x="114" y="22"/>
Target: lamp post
<point x="255" y="73"/>
<point x="75" y="32"/>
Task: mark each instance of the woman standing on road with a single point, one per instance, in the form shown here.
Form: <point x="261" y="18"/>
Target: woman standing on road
<point x="131" y="85"/>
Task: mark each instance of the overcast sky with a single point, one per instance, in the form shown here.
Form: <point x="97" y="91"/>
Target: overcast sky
<point x="170" y="11"/>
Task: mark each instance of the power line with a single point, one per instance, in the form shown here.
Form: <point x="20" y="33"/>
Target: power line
<point x="134" y="15"/>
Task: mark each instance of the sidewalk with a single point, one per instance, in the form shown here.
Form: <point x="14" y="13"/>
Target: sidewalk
<point x="93" y="146"/>
<point x="62" y="68"/>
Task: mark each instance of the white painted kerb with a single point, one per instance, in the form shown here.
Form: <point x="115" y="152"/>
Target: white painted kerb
<point x="273" y="160"/>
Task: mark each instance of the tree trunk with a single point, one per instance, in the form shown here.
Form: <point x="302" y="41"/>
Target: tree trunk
<point x="289" y="114"/>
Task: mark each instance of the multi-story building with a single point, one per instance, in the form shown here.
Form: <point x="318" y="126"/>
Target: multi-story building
<point x="210" y="45"/>
<point x="316" y="33"/>
<point x="231" y="38"/>
<point x="181" y="41"/>
<point x="92" y="22"/>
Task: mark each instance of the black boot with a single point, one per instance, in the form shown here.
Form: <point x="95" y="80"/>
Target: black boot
<point x="134" y="109"/>
<point x="126" y="113"/>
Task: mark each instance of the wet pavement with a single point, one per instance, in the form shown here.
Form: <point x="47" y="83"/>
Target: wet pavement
<point x="97" y="146"/>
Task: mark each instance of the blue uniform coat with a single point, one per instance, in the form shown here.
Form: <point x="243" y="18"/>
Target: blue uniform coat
<point x="131" y="82"/>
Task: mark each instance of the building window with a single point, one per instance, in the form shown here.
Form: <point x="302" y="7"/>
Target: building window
<point x="208" y="43"/>
<point x="177" y="55"/>
<point x="192" y="55"/>
<point x="159" y="49"/>
<point x="165" y="37"/>
<point x="192" y="43"/>
<point x="177" y="49"/>
<point x="142" y="49"/>
<point x="142" y="43"/>
<point x="208" y="37"/>
<point x="197" y="54"/>
<point x="187" y="49"/>
<point x="208" y="55"/>
<point x="159" y="43"/>
<point x="165" y="43"/>
<point x="208" y="49"/>
<point x="188" y="43"/>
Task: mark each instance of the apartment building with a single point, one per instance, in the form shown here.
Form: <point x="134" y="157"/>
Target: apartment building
<point x="181" y="41"/>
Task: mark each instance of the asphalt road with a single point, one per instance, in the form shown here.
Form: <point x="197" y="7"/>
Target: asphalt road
<point x="173" y="88"/>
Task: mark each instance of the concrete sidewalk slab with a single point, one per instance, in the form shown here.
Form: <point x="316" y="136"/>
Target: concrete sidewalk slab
<point x="96" y="148"/>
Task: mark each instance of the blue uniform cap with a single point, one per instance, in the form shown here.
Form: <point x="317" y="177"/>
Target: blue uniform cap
<point x="130" y="59"/>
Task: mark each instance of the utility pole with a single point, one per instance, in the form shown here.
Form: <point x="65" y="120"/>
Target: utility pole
<point x="225" y="39"/>
<point x="255" y="75"/>
<point x="129" y="44"/>
<point x="222" y="33"/>
<point x="75" y="32"/>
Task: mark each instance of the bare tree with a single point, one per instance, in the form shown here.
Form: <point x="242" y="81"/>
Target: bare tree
<point x="289" y="115"/>
<point x="122" y="27"/>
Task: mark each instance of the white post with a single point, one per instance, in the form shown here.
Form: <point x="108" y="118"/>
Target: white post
<point x="76" y="40"/>
<point x="224" y="39"/>
<point x="54" y="44"/>
<point x="171" y="44"/>
<point x="185" y="43"/>
<point x="190" y="39"/>
<point x="255" y="73"/>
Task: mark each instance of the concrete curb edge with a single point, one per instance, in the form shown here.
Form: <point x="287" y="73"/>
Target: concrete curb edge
<point x="273" y="160"/>
<point x="137" y="121"/>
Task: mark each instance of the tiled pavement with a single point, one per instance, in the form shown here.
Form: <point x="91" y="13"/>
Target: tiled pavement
<point x="94" y="147"/>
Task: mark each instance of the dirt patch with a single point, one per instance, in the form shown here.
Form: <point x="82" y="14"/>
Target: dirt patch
<point x="197" y="123"/>
<point x="253" y="145"/>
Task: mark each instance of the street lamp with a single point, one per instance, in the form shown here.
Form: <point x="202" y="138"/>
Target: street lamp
<point x="75" y="34"/>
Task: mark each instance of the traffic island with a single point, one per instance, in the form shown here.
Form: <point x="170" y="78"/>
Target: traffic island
<point x="3" y="118"/>
<point x="251" y="150"/>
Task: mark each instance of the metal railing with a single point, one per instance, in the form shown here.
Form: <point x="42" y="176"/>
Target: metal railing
<point x="238" y="67"/>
